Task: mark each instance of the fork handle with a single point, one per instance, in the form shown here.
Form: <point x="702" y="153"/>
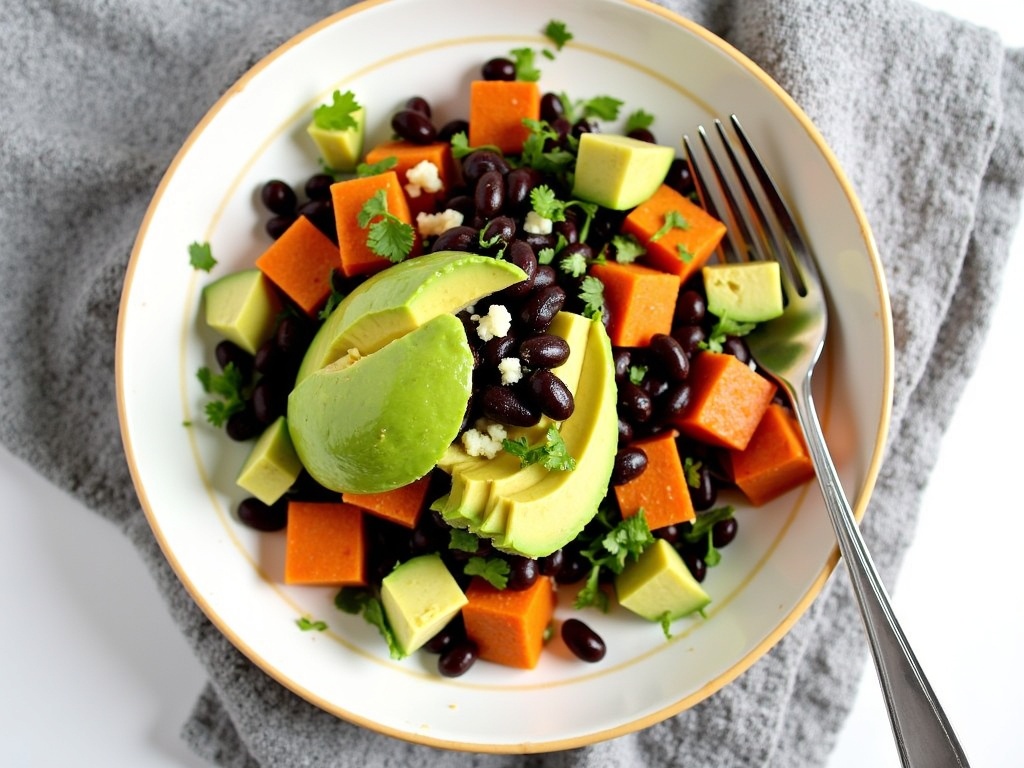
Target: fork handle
<point x="924" y="737"/>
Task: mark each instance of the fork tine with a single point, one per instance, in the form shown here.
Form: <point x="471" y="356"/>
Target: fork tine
<point x="729" y="249"/>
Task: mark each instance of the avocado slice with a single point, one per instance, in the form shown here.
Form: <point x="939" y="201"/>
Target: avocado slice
<point x="242" y="307"/>
<point x="619" y="172"/>
<point x="383" y="420"/>
<point x="420" y="597"/>
<point x="272" y="466"/>
<point x="340" y="149"/>
<point x="549" y="514"/>
<point x="659" y="585"/>
<point x="750" y="292"/>
<point x="403" y="297"/>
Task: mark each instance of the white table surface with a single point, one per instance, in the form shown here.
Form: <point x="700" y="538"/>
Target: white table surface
<point x="94" y="672"/>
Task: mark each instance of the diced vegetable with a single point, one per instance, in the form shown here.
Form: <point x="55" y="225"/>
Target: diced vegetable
<point x="727" y="400"/>
<point x="507" y="625"/>
<point x="349" y="197"/>
<point x="775" y="460"/>
<point x="420" y="596"/>
<point x="408" y="156"/>
<point x="324" y="544"/>
<point x="660" y="490"/>
<point x="679" y="236"/>
<point x="300" y="263"/>
<point x="659" y="586"/>
<point x="402" y="505"/>
<point x="272" y="465"/>
<point x="242" y="307"/>
<point x="497" y="109"/>
<point x="640" y="300"/>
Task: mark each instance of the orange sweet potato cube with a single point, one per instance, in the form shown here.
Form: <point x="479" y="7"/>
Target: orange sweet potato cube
<point x="401" y="505"/>
<point x="349" y="197"/>
<point x="324" y="544"/>
<point x="409" y="155"/>
<point x="508" y="625"/>
<point x="497" y="109"/>
<point x="682" y="250"/>
<point x="300" y="263"/>
<point x="775" y="460"/>
<point x="640" y="300"/>
<point x="661" y="489"/>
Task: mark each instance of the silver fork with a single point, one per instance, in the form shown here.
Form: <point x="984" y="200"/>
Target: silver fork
<point x="762" y="227"/>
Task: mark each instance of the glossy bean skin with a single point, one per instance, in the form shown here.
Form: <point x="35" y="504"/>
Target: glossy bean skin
<point x="460" y="238"/>
<point x="489" y="195"/>
<point x="724" y="531"/>
<point x="671" y="355"/>
<point x="227" y="352"/>
<point x="636" y="402"/>
<point x="498" y="233"/>
<point x="704" y="494"/>
<point x="476" y="164"/>
<point x="520" y="254"/>
<point x="413" y="126"/>
<point x="498" y="68"/>
<point x="540" y="308"/>
<point x="583" y="641"/>
<point x="544" y="277"/>
<point x="690" y="308"/>
<point x="545" y="350"/>
<point x="278" y="197"/>
<point x="263" y="517"/>
<point x="630" y="463"/>
<point x="505" y="405"/>
<point x="551" y="395"/>
<point x="457" y="660"/>
<point x="243" y="425"/>
<point x="689" y="337"/>
<point x="493" y="350"/>
<point x="418" y="104"/>
<point x="451" y="128"/>
<point x="551" y="107"/>
<point x="523" y="573"/>
<point x="519" y="183"/>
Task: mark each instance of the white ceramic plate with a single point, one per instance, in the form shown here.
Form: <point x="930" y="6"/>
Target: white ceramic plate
<point x="184" y="474"/>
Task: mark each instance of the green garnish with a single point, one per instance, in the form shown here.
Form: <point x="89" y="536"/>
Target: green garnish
<point x="685" y="255"/>
<point x="338" y="115"/>
<point x="333" y="300"/>
<point x="703" y="530"/>
<point x="306" y="624"/>
<point x="526" y="68"/>
<point x="228" y="386"/>
<point x="552" y="453"/>
<point x="592" y="295"/>
<point x="609" y="548"/>
<point x="389" y="236"/>
<point x="359" y="600"/>
<point x="673" y="220"/>
<point x="666" y="624"/>
<point x="545" y="203"/>
<point x="638" y="120"/>
<point x="691" y="471"/>
<point x="461" y="148"/>
<point x="200" y="256"/>
<point x="627" y="248"/>
<point x="637" y="373"/>
<point x="534" y="155"/>
<point x="574" y="264"/>
<point x="721" y="330"/>
<point x="372" y="169"/>
<point x="557" y="33"/>
<point x="463" y="541"/>
<point x="494" y="569"/>
<point x="599" y="107"/>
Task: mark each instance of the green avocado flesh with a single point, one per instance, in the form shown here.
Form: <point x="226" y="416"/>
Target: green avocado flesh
<point x="420" y="597"/>
<point x="403" y="297"/>
<point x="659" y="585"/>
<point x="242" y="307"/>
<point x="533" y="511"/>
<point x="384" y="420"/>
<point x="619" y="172"/>
<point x="747" y="293"/>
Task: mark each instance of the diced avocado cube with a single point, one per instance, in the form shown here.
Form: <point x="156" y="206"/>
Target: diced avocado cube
<point x="747" y="293"/>
<point x="658" y="585"/>
<point x="272" y="466"/>
<point x="619" y="172"/>
<point x="340" y="150"/>
<point x="242" y="307"/>
<point x="420" y="597"/>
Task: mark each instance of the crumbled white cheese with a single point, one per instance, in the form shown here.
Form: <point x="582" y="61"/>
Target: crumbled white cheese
<point x="484" y="439"/>
<point x="536" y="224"/>
<point x="511" y="370"/>
<point x="423" y="177"/>
<point x="495" y="324"/>
<point x="429" y="224"/>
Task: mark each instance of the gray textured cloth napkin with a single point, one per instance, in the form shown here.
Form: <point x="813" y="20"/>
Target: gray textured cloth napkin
<point x="925" y="113"/>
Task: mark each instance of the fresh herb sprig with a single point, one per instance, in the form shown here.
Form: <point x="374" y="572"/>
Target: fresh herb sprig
<point x="339" y="115"/>
<point x="610" y="547"/>
<point x="553" y="453"/>
<point x="387" y="235"/>
<point x="361" y="601"/>
<point x="229" y="387"/>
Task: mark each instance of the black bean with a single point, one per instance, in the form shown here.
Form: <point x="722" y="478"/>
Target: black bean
<point x="291" y="335"/>
<point x="321" y="215"/>
<point x="568" y="229"/>
<point x="418" y="104"/>
<point x="476" y="164"/>
<point x="463" y="204"/>
<point x="551" y="395"/>
<point x="546" y="350"/>
<point x="520" y="254"/>
<point x="318" y="186"/>
<point x="453" y="632"/>
<point x="689" y="337"/>
<point x="736" y="346"/>
<point x="489" y="194"/>
<point x="654" y="385"/>
<point x="674" y="400"/>
<point x="278" y="197"/>
<point x="671" y="355"/>
<point x="460" y="238"/>
<point x="669" y="533"/>
<point x="506" y="405"/>
<point x="523" y="572"/>
<point x="642" y="134"/>
<point x="413" y="126"/>
<point x="696" y="565"/>
<point x="452" y="127"/>
<point x="635" y="401"/>
<point x="494" y="350"/>
<point x="519" y="183"/>
<point x="622" y="357"/>
<point x="268" y="357"/>
<point x="227" y="352"/>
<point x="574" y="567"/>
<point x="540" y="307"/>
<point x="498" y="233"/>
<point x="630" y="463"/>
<point x="582" y="126"/>
<point x="539" y="241"/>
<point x="704" y="493"/>
<point x="545" y="276"/>
<point x="243" y="425"/>
<point x="261" y="516"/>
<point x="498" y="68"/>
<point x="269" y="400"/>
<point x="724" y="531"/>
<point x="551" y="107"/>
<point x="625" y="432"/>
<point x="679" y="177"/>
<point x="278" y="225"/>
<point x="458" y="659"/>
<point x="584" y="642"/>
<point x="690" y="308"/>
<point x="552" y="564"/>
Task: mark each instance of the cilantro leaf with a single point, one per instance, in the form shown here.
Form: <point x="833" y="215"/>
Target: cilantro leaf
<point x="461" y="147"/>
<point x="552" y="454"/>
<point x="536" y="154"/>
<point x="495" y="570"/>
<point x="666" y="624"/>
<point x="610" y="547"/>
<point x="691" y="471"/>
<point x="200" y="256"/>
<point x="627" y="248"/>
<point x="673" y="220"/>
<point x="592" y="295"/>
<point x="229" y="387"/>
<point x="546" y="255"/>
<point x="721" y="330"/>
<point x="685" y="255"/>
<point x="637" y="373"/>
<point x="638" y="120"/>
<point x="574" y="264"/>
<point x="526" y="68"/>
<point x="388" y="235"/>
<point x="333" y="300"/>
<point x="463" y="541"/>
<point x="306" y="624"/>
<point x="359" y="600"/>
<point x="545" y="203"/>
<point x="557" y="33"/>
<point x="372" y="169"/>
<point x="602" y="107"/>
<point x="703" y="530"/>
<point x="338" y="115"/>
